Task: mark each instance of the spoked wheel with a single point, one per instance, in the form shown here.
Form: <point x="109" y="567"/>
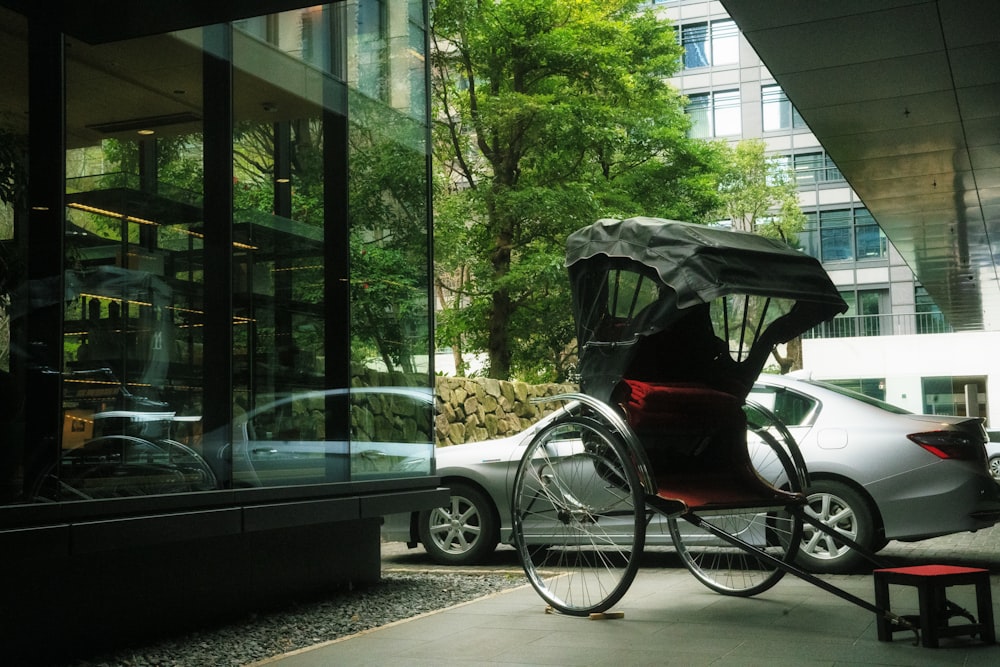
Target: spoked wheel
<point x="733" y="570"/>
<point x="579" y="516"/>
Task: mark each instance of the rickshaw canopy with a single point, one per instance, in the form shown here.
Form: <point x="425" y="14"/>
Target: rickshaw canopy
<point x="701" y="263"/>
<point x="685" y="267"/>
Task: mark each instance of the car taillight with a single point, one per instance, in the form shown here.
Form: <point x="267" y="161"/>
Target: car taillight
<point x="950" y="445"/>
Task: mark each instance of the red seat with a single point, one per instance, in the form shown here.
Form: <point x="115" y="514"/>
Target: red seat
<point x="695" y="439"/>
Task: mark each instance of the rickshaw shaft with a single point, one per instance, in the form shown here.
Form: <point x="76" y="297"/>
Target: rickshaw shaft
<point x="798" y="572"/>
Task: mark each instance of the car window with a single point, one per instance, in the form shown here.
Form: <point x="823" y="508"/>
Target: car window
<point x="790" y="407"/>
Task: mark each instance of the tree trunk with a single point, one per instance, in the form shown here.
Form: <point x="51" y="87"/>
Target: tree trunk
<point x="502" y="306"/>
<point x="792" y="360"/>
<point x="499" y="341"/>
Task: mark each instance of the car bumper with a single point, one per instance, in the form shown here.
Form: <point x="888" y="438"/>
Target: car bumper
<point x="942" y="499"/>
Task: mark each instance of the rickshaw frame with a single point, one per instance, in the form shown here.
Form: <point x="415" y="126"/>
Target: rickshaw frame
<point x="586" y="486"/>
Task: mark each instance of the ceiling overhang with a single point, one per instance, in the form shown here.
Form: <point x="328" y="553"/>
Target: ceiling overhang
<point x="904" y="95"/>
<point x="102" y="21"/>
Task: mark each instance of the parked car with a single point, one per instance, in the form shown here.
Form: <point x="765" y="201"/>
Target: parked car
<point x="878" y="473"/>
<point x="993" y="452"/>
<point x="285" y="442"/>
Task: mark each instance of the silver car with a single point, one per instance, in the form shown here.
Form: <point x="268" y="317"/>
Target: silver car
<point x="993" y="454"/>
<point x="878" y="473"/>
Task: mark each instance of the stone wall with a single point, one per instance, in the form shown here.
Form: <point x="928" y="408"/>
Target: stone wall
<point x="468" y="409"/>
<point x="475" y="409"/>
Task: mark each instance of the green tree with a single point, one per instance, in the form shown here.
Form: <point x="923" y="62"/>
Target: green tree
<point x="549" y="114"/>
<point x="759" y="195"/>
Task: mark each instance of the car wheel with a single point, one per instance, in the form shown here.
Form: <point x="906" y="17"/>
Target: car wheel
<point x="995" y="468"/>
<point x="464" y="531"/>
<point x="842" y="508"/>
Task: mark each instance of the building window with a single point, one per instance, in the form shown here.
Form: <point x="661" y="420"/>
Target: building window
<point x="835" y="236"/>
<point x="869" y="239"/>
<point x="952" y="396"/>
<point x="864" y="315"/>
<point x="779" y="114"/>
<point x="930" y="319"/>
<point x="847" y="234"/>
<point x="708" y="44"/>
<point x="813" y="168"/>
<point x="715" y="114"/>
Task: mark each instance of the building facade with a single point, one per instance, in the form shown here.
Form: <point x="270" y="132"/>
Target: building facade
<point x="210" y="217"/>
<point x="893" y="343"/>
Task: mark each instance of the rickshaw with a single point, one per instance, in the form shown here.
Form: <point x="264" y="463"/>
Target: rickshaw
<point x="674" y="322"/>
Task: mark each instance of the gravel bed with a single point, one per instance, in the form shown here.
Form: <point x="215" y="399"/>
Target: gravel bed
<point x="259" y="636"/>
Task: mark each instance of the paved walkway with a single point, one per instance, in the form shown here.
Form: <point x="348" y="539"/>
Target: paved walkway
<point x="670" y="618"/>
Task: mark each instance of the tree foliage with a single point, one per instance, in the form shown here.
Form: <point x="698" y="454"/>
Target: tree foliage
<point x="759" y="195"/>
<point x="548" y="115"/>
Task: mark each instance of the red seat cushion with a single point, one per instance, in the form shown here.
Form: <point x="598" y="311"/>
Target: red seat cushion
<point x="686" y="406"/>
<point x="695" y="440"/>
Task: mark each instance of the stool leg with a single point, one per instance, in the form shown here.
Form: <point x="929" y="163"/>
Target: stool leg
<point x="882" y="602"/>
<point x="984" y="604"/>
<point x="928" y="630"/>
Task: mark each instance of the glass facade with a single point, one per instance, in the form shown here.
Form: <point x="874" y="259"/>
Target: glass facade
<point x="240" y="276"/>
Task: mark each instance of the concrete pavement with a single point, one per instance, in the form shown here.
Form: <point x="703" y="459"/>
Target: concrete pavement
<point x="670" y="618"/>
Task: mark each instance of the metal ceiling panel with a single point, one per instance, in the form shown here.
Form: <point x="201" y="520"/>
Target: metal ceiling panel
<point x="905" y="97"/>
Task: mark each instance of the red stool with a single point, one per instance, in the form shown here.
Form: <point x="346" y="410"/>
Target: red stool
<point x="931" y="582"/>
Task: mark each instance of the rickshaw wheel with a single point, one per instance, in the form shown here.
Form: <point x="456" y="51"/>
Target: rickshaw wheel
<point x="579" y="516"/>
<point x="728" y="569"/>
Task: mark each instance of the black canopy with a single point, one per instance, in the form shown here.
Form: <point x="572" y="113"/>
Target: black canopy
<point x="702" y="263"/>
<point x="689" y="266"/>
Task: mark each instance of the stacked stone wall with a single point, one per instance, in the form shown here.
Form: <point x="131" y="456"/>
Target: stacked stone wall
<point x="475" y="409"/>
<point x="468" y="409"/>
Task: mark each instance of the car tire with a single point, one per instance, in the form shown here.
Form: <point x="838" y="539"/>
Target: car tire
<point x="463" y="532"/>
<point x="839" y="506"/>
<point x="995" y="468"/>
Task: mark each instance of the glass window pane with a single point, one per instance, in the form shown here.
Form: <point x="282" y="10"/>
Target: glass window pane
<point x="836" y="243"/>
<point x="809" y="236"/>
<point x="725" y="43"/>
<point x="775" y="108"/>
<point x="727" y="113"/>
<point x="808" y="166"/>
<point x="133" y="332"/>
<point x="698" y="110"/>
<point x="694" y="39"/>
<point x="832" y="172"/>
<point x="16" y="456"/>
<point x="390" y="263"/>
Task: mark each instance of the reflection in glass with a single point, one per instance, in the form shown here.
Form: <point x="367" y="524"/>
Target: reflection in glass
<point x="133" y="302"/>
<point x="311" y="88"/>
<point x="290" y="428"/>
